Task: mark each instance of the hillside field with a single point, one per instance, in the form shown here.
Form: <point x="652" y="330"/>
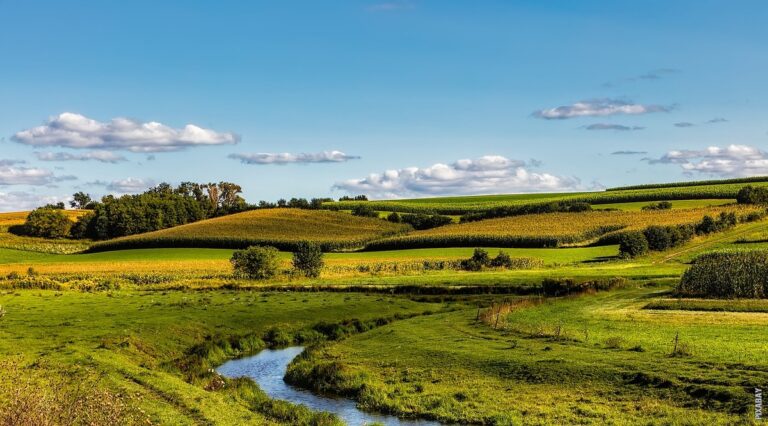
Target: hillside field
<point x="128" y="331"/>
<point x="277" y="227"/>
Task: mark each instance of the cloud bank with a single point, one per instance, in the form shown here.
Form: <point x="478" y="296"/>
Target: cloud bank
<point x="72" y="130"/>
<point x="598" y="108"/>
<point x="102" y="156"/>
<point x="20" y="201"/>
<point x="288" y="158"/>
<point x="129" y="185"/>
<point x="617" y="127"/>
<point x="485" y="175"/>
<point x="730" y="161"/>
<point x="10" y="175"/>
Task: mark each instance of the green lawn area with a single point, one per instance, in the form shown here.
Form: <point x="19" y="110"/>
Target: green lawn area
<point x="598" y="359"/>
<point x="550" y="256"/>
<point x="130" y="340"/>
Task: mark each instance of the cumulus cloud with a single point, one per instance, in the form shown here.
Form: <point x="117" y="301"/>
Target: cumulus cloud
<point x="484" y="175"/>
<point x="77" y="131"/>
<point x="288" y="158"/>
<point x="598" y="108"/>
<point x="717" y="120"/>
<point x="129" y="185"/>
<point x="100" y="155"/>
<point x="20" y="201"/>
<point x="11" y="175"/>
<point x="730" y="161"/>
<point x="684" y="124"/>
<point x="4" y="163"/>
<point x="629" y="152"/>
<point x="617" y="127"/>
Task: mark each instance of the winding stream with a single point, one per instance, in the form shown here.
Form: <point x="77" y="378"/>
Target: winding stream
<point x="268" y="368"/>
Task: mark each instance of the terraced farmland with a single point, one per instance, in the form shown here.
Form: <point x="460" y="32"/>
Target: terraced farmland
<point x="281" y="228"/>
<point x="461" y="205"/>
<point x="548" y="229"/>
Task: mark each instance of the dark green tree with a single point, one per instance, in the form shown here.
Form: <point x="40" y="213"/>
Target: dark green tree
<point x="256" y="262"/>
<point x="47" y="223"/>
<point x="308" y="259"/>
<point x="632" y="244"/>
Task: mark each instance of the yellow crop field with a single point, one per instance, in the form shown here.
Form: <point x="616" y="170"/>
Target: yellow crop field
<point x="549" y="229"/>
<point x="281" y="228"/>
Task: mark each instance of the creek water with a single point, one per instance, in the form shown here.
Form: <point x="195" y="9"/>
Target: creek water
<point x="267" y="369"/>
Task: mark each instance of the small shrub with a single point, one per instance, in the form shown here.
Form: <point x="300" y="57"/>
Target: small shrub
<point x="394" y="217"/>
<point x="479" y="259"/>
<point x="308" y="259"/>
<point x="364" y="210"/>
<point x="632" y="244"/>
<point x="661" y="205"/>
<point x="256" y="262"/>
<point x="752" y="195"/>
<point x="502" y="260"/>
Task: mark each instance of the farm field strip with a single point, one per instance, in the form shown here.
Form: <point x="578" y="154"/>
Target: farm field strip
<point x="461" y="205"/>
<point x="549" y="229"/>
<point x="282" y="228"/>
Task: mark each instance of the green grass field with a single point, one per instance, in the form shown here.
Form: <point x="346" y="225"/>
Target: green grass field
<point x="598" y="359"/>
<point x="140" y="328"/>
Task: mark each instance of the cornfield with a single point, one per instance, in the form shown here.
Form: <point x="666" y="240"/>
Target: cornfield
<point x="727" y="274"/>
<point x="457" y="206"/>
<point x="548" y="229"/>
<point x="281" y="228"/>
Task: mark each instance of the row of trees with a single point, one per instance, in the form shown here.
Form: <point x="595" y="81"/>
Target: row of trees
<point x="160" y="207"/>
<point x="660" y="238"/>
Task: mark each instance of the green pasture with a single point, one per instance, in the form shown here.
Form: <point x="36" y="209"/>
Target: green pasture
<point x="597" y="359"/>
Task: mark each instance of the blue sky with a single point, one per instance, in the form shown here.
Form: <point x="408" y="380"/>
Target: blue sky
<point x="389" y="98"/>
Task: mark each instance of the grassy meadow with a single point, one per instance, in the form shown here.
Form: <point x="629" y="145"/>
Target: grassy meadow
<point x="127" y="331"/>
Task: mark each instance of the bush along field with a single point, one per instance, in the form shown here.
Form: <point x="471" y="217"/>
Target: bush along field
<point x="653" y="313"/>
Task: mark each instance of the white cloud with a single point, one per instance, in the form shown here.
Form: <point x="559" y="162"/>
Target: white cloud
<point x="732" y="160"/>
<point x="598" y="108"/>
<point x="20" y="201"/>
<point x="77" y="131"/>
<point x="617" y="127"/>
<point x="10" y="175"/>
<point x="100" y="155"/>
<point x="485" y="175"/>
<point x="129" y="185"/>
<point x="287" y="158"/>
<point x="4" y="163"/>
